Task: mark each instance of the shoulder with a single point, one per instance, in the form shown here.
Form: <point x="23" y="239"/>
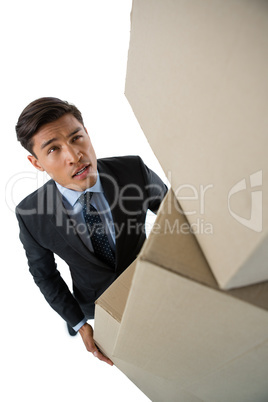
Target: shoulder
<point x="119" y="161"/>
<point x="39" y="195"/>
<point x="120" y="164"/>
<point x="122" y="168"/>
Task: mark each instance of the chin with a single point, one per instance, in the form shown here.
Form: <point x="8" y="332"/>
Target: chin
<point x="83" y="184"/>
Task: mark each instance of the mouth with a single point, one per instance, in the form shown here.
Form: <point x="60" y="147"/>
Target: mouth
<point x="81" y="172"/>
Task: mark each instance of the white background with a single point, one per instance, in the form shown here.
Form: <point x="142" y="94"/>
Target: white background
<point x="77" y="51"/>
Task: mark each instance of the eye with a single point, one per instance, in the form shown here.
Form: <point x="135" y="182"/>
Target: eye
<point x="76" y="137"/>
<point x="52" y="149"/>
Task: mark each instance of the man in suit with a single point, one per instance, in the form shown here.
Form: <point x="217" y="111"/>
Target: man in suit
<point x="91" y="213"/>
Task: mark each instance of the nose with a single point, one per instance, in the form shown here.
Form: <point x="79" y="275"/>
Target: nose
<point x="72" y="155"/>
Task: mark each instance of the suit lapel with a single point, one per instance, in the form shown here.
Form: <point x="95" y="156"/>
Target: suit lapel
<point x="65" y="226"/>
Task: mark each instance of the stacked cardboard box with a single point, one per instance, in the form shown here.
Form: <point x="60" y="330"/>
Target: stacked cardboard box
<point x="188" y="320"/>
<point x="197" y="82"/>
<point x="169" y="327"/>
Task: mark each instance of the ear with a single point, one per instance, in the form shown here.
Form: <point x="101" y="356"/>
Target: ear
<point x="35" y="162"/>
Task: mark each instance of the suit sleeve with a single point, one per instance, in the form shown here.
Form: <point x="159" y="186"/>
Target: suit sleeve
<point x="154" y="186"/>
<point x="44" y="270"/>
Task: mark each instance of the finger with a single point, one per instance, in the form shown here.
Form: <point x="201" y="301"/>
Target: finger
<point x="103" y="358"/>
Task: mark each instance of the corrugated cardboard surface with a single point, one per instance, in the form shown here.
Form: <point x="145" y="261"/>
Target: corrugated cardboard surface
<point x="180" y="337"/>
<point x="194" y="337"/>
<point x="197" y="82"/>
<point x="106" y="330"/>
<point x="114" y="299"/>
<point x="243" y="378"/>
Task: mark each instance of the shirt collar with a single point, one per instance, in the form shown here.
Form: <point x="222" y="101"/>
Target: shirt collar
<point x="73" y="195"/>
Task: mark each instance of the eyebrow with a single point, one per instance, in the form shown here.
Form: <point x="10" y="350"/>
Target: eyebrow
<point x="46" y="143"/>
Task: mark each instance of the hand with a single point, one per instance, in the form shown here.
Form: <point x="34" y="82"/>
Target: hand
<point x="86" y="332"/>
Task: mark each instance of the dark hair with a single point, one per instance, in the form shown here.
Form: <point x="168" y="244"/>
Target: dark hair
<point x="40" y="112"/>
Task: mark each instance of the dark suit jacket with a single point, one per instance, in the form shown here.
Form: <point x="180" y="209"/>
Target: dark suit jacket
<point x="46" y="229"/>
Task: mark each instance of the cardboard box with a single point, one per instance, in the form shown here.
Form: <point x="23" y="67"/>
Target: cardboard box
<point x="166" y="324"/>
<point x="197" y="82"/>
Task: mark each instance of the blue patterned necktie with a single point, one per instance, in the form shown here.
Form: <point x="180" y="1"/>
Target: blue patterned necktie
<point x="98" y="236"/>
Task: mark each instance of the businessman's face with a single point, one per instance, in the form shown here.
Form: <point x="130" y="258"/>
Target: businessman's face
<point x="64" y="150"/>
